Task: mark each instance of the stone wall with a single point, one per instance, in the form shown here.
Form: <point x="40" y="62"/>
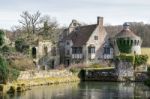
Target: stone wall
<point x="27" y="75"/>
<point x="99" y="75"/>
<point x="125" y="71"/>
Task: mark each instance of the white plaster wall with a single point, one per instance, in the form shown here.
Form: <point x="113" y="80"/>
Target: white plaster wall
<point x="136" y="49"/>
<point x="97" y="43"/>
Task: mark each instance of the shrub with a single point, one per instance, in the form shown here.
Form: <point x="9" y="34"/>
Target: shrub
<point x="135" y="59"/>
<point x="125" y="57"/>
<point x="13" y="74"/>
<point x="3" y="69"/>
<point x="6" y="49"/>
<point x="75" y="68"/>
<point x="96" y="65"/>
<point x="140" y="59"/>
<point x="1" y="37"/>
<point x="21" y="46"/>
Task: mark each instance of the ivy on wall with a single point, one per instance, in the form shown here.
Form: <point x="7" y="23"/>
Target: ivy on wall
<point x="126" y="58"/>
<point x="136" y="60"/>
<point x="124" y="45"/>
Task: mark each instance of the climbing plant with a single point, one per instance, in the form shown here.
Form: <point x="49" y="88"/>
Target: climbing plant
<point x="137" y="60"/>
<point x="124" y="45"/>
<point x="3" y="70"/>
<point x="125" y="57"/>
<point x="1" y="37"/>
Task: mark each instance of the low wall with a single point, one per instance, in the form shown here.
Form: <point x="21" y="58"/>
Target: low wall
<point x="99" y="75"/>
<point x="28" y="75"/>
<point x="36" y="78"/>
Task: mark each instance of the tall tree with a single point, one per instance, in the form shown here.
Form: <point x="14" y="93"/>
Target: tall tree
<point x="30" y="21"/>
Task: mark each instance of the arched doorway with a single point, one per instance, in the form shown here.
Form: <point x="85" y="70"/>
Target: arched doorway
<point x="33" y="52"/>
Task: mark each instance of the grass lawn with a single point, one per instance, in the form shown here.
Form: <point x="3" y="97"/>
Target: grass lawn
<point x="146" y="50"/>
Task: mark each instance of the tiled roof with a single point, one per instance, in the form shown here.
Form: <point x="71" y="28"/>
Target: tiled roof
<point x="81" y="35"/>
<point x="126" y="33"/>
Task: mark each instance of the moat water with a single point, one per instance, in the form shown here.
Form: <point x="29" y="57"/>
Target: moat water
<point x="86" y="90"/>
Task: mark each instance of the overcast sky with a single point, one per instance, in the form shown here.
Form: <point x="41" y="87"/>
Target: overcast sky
<point x="113" y="11"/>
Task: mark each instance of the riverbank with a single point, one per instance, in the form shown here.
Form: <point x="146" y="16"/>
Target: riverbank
<point x="29" y="79"/>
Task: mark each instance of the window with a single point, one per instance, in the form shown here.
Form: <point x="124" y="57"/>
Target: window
<point x="67" y="43"/>
<point x="68" y="52"/>
<point x="95" y="37"/>
<point x="91" y="50"/>
<point x="76" y="50"/>
<point x="74" y="24"/>
<point x="131" y="42"/>
<point x="106" y="50"/>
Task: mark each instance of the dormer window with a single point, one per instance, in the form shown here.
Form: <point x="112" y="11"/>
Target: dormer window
<point x="74" y="24"/>
<point x="95" y="37"/>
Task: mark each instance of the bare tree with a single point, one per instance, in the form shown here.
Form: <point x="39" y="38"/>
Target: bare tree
<point x="35" y="20"/>
<point x="49" y="27"/>
<point x="25" y="21"/>
<point x="30" y="21"/>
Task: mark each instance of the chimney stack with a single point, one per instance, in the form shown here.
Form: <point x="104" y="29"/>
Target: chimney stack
<point x="100" y="21"/>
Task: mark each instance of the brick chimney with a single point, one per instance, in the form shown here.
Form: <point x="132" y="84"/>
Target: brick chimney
<point x="100" y="21"/>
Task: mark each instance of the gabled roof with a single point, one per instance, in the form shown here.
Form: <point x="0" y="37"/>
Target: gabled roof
<point x="81" y="35"/>
<point x="127" y="33"/>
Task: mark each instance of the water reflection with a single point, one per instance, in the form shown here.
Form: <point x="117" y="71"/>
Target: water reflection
<point x="85" y="90"/>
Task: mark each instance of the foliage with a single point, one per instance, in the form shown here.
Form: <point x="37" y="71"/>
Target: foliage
<point x="1" y="37"/>
<point x="21" y="63"/>
<point x="135" y="59"/>
<point x="13" y="74"/>
<point x="123" y="46"/>
<point x="96" y="65"/>
<point x="125" y="57"/>
<point x="140" y="59"/>
<point x="21" y="46"/>
<point x="6" y="48"/>
<point x="75" y="68"/>
<point x="3" y="69"/>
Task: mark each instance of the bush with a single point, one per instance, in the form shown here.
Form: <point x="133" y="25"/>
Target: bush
<point x="3" y="69"/>
<point x="21" y="46"/>
<point x="75" y="68"/>
<point x="140" y="59"/>
<point x="6" y="49"/>
<point x="13" y="74"/>
<point x="137" y="60"/>
<point x="96" y="65"/>
<point x="125" y="57"/>
<point x="1" y="37"/>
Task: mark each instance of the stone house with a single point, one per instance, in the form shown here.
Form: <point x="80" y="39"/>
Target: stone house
<point x="92" y="44"/>
<point x="85" y="44"/>
<point x="44" y="53"/>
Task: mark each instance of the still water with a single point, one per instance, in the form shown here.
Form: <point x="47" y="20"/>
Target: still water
<point x="86" y="90"/>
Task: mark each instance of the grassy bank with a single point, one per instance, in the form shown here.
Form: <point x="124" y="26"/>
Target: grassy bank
<point x="23" y="85"/>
